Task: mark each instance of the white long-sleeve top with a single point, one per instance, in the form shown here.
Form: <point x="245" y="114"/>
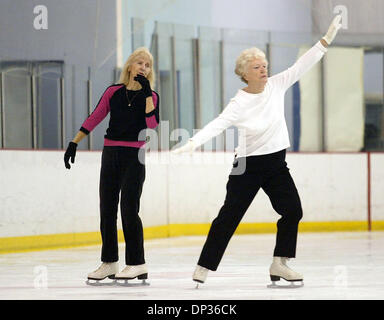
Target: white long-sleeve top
<point x="260" y="117"/>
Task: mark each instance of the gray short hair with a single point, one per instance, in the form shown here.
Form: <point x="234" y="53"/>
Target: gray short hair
<point x="244" y="58"/>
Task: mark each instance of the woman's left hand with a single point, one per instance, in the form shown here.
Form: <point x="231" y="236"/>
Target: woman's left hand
<point x="145" y="84"/>
<point x="333" y="29"/>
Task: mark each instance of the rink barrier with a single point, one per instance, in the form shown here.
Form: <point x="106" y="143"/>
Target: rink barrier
<point x="69" y="240"/>
<point x="20" y="166"/>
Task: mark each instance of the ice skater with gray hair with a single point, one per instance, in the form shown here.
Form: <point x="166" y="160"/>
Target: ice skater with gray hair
<point x="258" y="111"/>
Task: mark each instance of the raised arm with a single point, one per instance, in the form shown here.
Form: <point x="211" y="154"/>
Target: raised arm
<point x="288" y="77"/>
<point x="332" y="30"/>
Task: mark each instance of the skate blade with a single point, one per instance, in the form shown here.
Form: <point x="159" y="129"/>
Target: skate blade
<point x="291" y="285"/>
<point x="198" y="282"/>
<point x="99" y="283"/>
<point x="143" y="276"/>
<point x="197" y="285"/>
<point x="125" y="283"/>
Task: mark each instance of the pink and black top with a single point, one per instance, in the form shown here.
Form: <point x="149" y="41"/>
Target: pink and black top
<point x="126" y="122"/>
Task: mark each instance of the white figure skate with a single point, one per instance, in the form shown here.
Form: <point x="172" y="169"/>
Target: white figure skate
<point x="200" y="275"/>
<point x="279" y="269"/>
<point x="106" y="270"/>
<point x="131" y="272"/>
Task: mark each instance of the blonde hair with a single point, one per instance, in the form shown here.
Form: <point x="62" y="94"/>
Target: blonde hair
<point x="244" y="58"/>
<point x="139" y="52"/>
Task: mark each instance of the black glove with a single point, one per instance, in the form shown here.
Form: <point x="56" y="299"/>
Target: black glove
<point x="145" y="84"/>
<point x="70" y="154"/>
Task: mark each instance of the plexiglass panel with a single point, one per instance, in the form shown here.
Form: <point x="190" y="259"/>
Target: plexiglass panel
<point x="17" y="108"/>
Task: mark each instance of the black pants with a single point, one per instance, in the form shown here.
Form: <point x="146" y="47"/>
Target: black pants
<point x="122" y="171"/>
<point x="270" y="173"/>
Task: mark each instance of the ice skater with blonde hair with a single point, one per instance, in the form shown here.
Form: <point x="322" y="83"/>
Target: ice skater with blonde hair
<point x="258" y="111"/>
<point x="133" y="107"/>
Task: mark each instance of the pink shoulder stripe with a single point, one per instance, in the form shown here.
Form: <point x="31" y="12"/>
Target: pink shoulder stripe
<point x="102" y="109"/>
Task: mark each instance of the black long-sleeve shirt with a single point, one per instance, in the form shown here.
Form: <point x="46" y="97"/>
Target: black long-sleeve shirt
<point x="126" y="121"/>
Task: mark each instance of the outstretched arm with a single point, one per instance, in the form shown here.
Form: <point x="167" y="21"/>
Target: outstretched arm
<point x="227" y="118"/>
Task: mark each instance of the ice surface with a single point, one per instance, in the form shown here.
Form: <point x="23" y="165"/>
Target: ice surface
<point x="335" y="266"/>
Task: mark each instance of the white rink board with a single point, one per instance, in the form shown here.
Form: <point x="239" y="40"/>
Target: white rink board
<point x="377" y="186"/>
<point x="329" y="189"/>
<point x="197" y="189"/>
<point x="332" y="186"/>
<point x="39" y="196"/>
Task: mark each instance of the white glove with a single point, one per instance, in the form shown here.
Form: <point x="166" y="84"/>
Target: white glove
<point x="332" y="30"/>
<point x="190" y="146"/>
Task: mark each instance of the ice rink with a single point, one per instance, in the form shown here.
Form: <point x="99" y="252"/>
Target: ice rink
<point x="337" y="266"/>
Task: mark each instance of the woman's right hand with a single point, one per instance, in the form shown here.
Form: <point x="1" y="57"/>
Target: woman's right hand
<point x="188" y="147"/>
<point x="70" y="153"/>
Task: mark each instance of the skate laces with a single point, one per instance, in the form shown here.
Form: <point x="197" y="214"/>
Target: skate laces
<point x="200" y="272"/>
<point x="103" y="266"/>
<point x="284" y="260"/>
<point x="100" y="268"/>
<point x="127" y="268"/>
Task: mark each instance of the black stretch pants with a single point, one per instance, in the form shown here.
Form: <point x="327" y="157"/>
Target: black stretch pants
<point x="121" y="171"/>
<point x="270" y="173"/>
